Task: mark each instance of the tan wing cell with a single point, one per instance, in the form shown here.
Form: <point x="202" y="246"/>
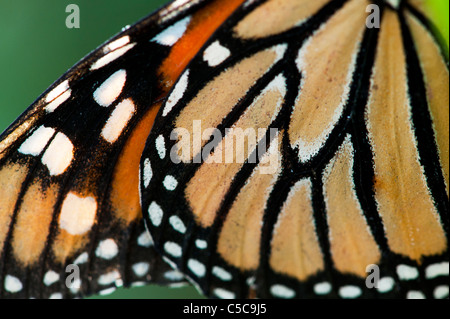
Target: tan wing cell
<point x="220" y="95"/>
<point x="353" y="247"/>
<point x="33" y="222"/>
<point x="276" y="16"/>
<point x="404" y="200"/>
<point x="295" y="249"/>
<point x="327" y="62"/>
<point x="12" y="176"/>
<point x="211" y="182"/>
<point x="239" y="239"/>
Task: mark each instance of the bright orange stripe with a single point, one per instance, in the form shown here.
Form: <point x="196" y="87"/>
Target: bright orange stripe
<point x="203" y="24"/>
<point x="125" y="187"/>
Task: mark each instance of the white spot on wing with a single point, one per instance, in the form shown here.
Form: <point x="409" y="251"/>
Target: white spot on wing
<point x="110" y="90"/>
<point x="107" y="249"/>
<point x="178" y="3"/>
<point x="108" y="291"/>
<point x="385" y="284"/>
<point x="56" y="295"/>
<point x="441" y="292"/>
<point x="196" y="267"/>
<point x="53" y="105"/>
<point x="177" y="224"/>
<point x="281" y="291"/>
<point x="12" y="284"/>
<point x="117" y="44"/>
<point x="118" y="120"/>
<point x="221" y="273"/>
<point x="350" y="292"/>
<point x="177" y="93"/>
<point x="156" y="214"/>
<point x="322" y="288"/>
<point x="111" y="56"/>
<point x="173" y="33"/>
<point x="109" y="278"/>
<point x="37" y="141"/>
<point x="415" y="294"/>
<point x="148" y="172"/>
<point x="83" y="258"/>
<point x="215" y="54"/>
<point x="77" y="215"/>
<point x="406" y="272"/>
<point x="145" y="240"/>
<point x="201" y="244"/>
<point x="58" y="155"/>
<point x="173" y="275"/>
<point x="161" y="146"/>
<point x="57" y="91"/>
<point x="170" y="183"/>
<point x="175" y="8"/>
<point x="172" y="249"/>
<point x="50" y="277"/>
<point x="141" y="269"/>
<point x="436" y="270"/>
<point x="224" y="294"/>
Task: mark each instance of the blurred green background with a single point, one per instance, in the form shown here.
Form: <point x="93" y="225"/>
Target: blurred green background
<point x="438" y="10"/>
<point x="36" y="49"/>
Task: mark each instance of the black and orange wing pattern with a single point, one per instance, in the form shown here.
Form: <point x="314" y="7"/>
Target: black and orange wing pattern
<point x="301" y="151"/>
<point x="69" y="166"/>
<point x="348" y="166"/>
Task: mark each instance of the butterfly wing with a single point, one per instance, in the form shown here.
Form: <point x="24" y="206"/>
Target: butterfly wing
<point x="293" y="159"/>
<point x="70" y="216"/>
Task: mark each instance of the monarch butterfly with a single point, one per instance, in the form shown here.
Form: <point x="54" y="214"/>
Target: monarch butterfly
<point x="335" y="191"/>
<point x="40" y="64"/>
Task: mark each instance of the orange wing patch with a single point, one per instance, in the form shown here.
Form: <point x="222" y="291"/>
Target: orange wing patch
<point x="207" y="188"/>
<point x="352" y="245"/>
<point x="327" y="75"/>
<point x="437" y="83"/>
<point x="12" y="176"/>
<point x="404" y="201"/>
<point x="66" y="245"/>
<point x="203" y="24"/>
<point x="124" y="194"/>
<point x="295" y="248"/>
<point x="276" y="16"/>
<point x="239" y="239"/>
<point x="125" y="187"/>
<point x="222" y="94"/>
<point x="33" y="222"/>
